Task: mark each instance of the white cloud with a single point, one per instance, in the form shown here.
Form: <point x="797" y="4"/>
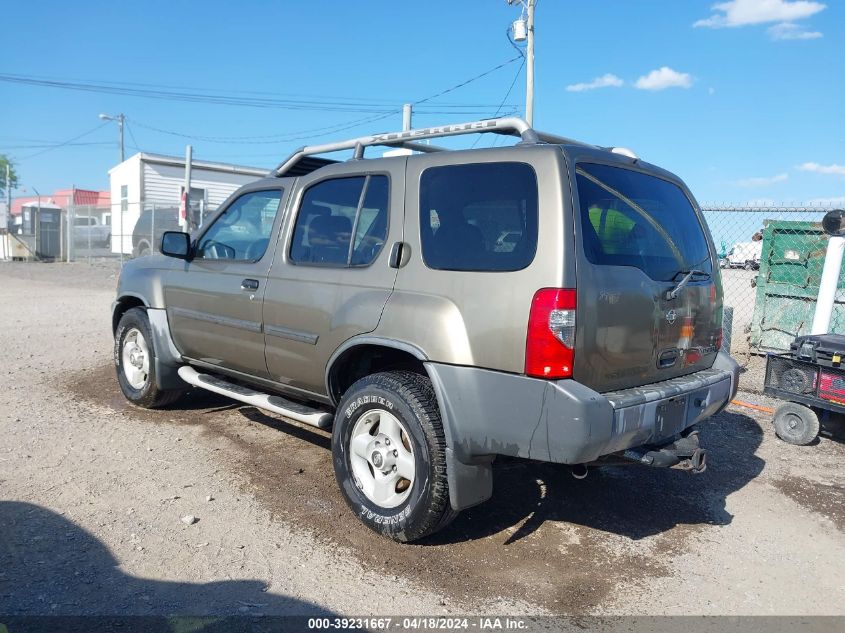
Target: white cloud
<point x="762" y="181"/>
<point x="608" y="80"/>
<point x="745" y="12"/>
<point x="790" y="31"/>
<point x="663" y="78"/>
<point x="830" y="170"/>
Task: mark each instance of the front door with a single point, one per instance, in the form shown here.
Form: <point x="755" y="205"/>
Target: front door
<point x="330" y="278"/>
<point x="214" y="301"/>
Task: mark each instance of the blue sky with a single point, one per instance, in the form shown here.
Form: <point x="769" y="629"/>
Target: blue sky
<point x="745" y="101"/>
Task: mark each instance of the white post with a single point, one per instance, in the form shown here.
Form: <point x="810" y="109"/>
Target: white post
<point x="407" y="111"/>
<point x="185" y="208"/>
<point x="828" y="285"/>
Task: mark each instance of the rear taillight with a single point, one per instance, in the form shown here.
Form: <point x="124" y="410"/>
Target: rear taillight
<point x="720" y="338"/>
<point x="550" y="345"/>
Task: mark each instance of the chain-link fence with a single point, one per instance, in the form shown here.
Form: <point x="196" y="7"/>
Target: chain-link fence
<point x="771" y="260"/>
<point x="122" y="231"/>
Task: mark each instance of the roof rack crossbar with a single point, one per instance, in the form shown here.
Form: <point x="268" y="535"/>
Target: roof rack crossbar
<point x="512" y="126"/>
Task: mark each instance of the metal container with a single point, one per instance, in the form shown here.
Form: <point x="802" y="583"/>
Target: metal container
<point x="788" y="285"/>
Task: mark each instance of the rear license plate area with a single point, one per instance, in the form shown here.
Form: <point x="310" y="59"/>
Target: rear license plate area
<point x="670" y="417"/>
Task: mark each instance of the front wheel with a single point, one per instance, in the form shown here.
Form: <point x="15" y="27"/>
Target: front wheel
<point x="389" y="453"/>
<point x="134" y="359"/>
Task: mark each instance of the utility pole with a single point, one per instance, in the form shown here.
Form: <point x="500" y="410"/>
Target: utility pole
<point x="407" y="113"/>
<point x="121" y="121"/>
<point x="121" y="118"/>
<point x="8" y="211"/>
<point x="529" y="71"/>
<point x="523" y="29"/>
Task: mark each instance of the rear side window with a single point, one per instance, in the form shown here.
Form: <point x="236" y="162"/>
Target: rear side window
<point x="633" y="219"/>
<point x="342" y="222"/>
<point x="479" y="217"/>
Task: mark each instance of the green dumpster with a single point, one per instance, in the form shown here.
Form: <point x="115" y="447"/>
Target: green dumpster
<point x="788" y="285"/>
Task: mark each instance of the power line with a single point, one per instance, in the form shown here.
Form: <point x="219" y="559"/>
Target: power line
<point x="67" y="142"/>
<point x="183" y="89"/>
<point x="132" y="136"/>
<point x="191" y="96"/>
<point x="53" y="144"/>
<point x="505" y="98"/>
<point x="340" y="127"/>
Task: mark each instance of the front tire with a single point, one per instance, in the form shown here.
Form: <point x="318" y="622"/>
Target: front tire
<point x="134" y="359"/>
<point x="796" y="424"/>
<point x="389" y="454"/>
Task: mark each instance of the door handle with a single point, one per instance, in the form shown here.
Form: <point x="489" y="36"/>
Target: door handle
<point x="249" y="284"/>
<point x="400" y="253"/>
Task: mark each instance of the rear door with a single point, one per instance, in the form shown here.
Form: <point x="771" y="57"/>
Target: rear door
<point x="331" y="278"/>
<point x="640" y="238"/>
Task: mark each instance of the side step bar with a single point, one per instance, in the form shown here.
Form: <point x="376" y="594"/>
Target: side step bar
<point x="276" y="404"/>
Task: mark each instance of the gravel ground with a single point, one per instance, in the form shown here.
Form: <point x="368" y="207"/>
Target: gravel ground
<point x="93" y="491"/>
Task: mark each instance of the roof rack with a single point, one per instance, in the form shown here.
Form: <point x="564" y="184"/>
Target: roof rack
<point x="408" y="139"/>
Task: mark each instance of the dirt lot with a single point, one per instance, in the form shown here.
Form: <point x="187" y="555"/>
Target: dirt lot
<point x="92" y="492"/>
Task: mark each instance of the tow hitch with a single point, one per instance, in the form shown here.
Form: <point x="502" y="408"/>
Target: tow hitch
<point x="684" y="453"/>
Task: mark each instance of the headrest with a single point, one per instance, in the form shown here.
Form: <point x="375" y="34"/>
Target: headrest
<point x="330" y="225"/>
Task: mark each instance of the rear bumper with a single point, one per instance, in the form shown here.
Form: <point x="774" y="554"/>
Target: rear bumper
<point x="487" y="413"/>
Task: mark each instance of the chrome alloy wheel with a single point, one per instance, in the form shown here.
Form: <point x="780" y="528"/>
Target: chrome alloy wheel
<point x="382" y="459"/>
<point x="135" y="357"/>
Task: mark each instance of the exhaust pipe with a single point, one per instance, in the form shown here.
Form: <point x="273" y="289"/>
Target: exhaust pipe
<point x="579" y="471"/>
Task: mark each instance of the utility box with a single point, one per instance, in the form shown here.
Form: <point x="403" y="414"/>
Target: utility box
<point x="42" y="225"/>
<point x="788" y="285"/>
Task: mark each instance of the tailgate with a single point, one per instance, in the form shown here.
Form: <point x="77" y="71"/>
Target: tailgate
<point x="640" y="238"/>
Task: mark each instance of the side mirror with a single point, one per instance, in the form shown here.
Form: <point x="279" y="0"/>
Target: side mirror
<point x="176" y="244"/>
<point x="833" y="223"/>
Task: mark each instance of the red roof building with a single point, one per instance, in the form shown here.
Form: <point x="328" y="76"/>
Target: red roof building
<point x="65" y="198"/>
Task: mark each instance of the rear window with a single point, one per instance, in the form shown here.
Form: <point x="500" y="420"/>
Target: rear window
<point x="342" y="222"/>
<point x="633" y="219"/>
<point x="479" y="217"/>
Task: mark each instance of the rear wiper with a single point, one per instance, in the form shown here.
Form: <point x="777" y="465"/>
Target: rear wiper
<point x="688" y="274"/>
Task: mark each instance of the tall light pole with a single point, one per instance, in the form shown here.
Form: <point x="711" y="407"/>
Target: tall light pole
<point x="523" y="30"/>
<point x="121" y="120"/>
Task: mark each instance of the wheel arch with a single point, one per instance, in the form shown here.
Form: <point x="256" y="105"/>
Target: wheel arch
<point x="365" y="355"/>
<point x="123" y="304"/>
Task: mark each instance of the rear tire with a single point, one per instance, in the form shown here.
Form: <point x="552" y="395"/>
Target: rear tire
<point x="389" y="453"/>
<point x="796" y="424"/>
<point x="134" y="360"/>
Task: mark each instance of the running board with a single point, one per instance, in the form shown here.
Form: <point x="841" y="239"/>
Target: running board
<point x="276" y="404"/>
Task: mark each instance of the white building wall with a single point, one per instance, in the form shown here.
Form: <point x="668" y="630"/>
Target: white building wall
<point x="163" y="184"/>
<point x="155" y="181"/>
<point x="127" y="173"/>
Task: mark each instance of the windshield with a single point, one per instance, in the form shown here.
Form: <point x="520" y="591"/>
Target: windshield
<point x="633" y="219"/>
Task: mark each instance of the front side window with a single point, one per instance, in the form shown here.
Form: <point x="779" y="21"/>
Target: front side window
<point x="342" y="222"/>
<point x="632" y="219"/>
<point x="242" y="232"/>
<point x="479" y="217"/>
